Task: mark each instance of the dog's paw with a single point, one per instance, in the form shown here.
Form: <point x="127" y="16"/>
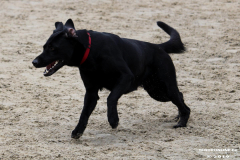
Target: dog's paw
<point x="113" y="121"/>
<point x="76" y="135"/>
<point x="182" y="121"/>
<point x="180" y="125"/>
<point x="114" y="125"/>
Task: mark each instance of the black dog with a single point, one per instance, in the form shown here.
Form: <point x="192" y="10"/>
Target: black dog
<point x="121" y="65"/>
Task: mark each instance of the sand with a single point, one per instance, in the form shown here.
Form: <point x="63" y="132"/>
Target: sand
<point x="37" y="113"/>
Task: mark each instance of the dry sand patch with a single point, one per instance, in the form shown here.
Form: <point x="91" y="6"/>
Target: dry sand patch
<point x="37" y="114"/>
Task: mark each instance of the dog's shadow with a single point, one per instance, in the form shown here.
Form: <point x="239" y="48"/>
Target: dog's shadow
<point x="134" y="131"/>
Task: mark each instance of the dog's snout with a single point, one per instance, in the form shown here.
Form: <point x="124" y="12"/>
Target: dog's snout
<point x="35" y="62"/>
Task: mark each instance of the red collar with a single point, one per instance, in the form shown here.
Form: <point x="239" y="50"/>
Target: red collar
<point x="87" y="50"/>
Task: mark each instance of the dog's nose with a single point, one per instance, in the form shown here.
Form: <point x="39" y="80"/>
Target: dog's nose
<point x="35" y="62"/>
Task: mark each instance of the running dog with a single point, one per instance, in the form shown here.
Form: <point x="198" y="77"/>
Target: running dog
<point x="120" y="65"/>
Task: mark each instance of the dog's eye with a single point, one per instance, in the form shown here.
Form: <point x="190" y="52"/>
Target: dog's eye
<point x="51" y="48"/>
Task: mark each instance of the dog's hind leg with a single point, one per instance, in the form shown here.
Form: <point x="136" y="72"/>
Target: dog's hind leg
<point x="166" y="73"/>
<point x="183" y="109"/>
<point x="157" y="89"/>
<point x="178" y="116"/>
<point x="90" y="102"/>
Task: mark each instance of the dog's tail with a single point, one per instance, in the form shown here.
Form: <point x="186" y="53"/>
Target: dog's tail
<point x="174" y="45"/>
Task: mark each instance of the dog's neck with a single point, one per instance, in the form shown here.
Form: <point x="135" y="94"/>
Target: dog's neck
<point x="80" y="49"/>
<point x="83" y="37"/>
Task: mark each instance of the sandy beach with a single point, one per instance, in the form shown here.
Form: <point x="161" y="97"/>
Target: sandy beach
<point x="38" y="114"/>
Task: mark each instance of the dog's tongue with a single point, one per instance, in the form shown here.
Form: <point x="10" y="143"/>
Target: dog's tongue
<point x="50" y="65"/>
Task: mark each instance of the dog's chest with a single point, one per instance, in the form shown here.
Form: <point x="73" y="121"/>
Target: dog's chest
<point x="108" y="81"/>
<point x="100" y="79"/>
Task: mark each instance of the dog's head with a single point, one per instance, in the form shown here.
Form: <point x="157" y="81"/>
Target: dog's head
<point x="58" y="49"/>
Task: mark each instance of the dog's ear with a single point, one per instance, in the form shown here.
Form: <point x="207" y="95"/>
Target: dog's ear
<point x="71" y="33"/>
<point x="56" y="24"/>
<point x="69" y="24"/>
<point x="59" y="26"/>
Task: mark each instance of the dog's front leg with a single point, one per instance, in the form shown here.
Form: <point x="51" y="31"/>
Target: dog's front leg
<point x="112" y="99"/>
<point x="90" y="102"/>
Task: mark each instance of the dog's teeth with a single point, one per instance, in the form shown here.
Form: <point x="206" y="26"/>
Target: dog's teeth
<point x="46" y="71"/>
<point x="55" y="63"/>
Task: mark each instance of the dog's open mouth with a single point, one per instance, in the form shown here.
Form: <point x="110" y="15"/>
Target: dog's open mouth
<point x="53" y="67"/>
